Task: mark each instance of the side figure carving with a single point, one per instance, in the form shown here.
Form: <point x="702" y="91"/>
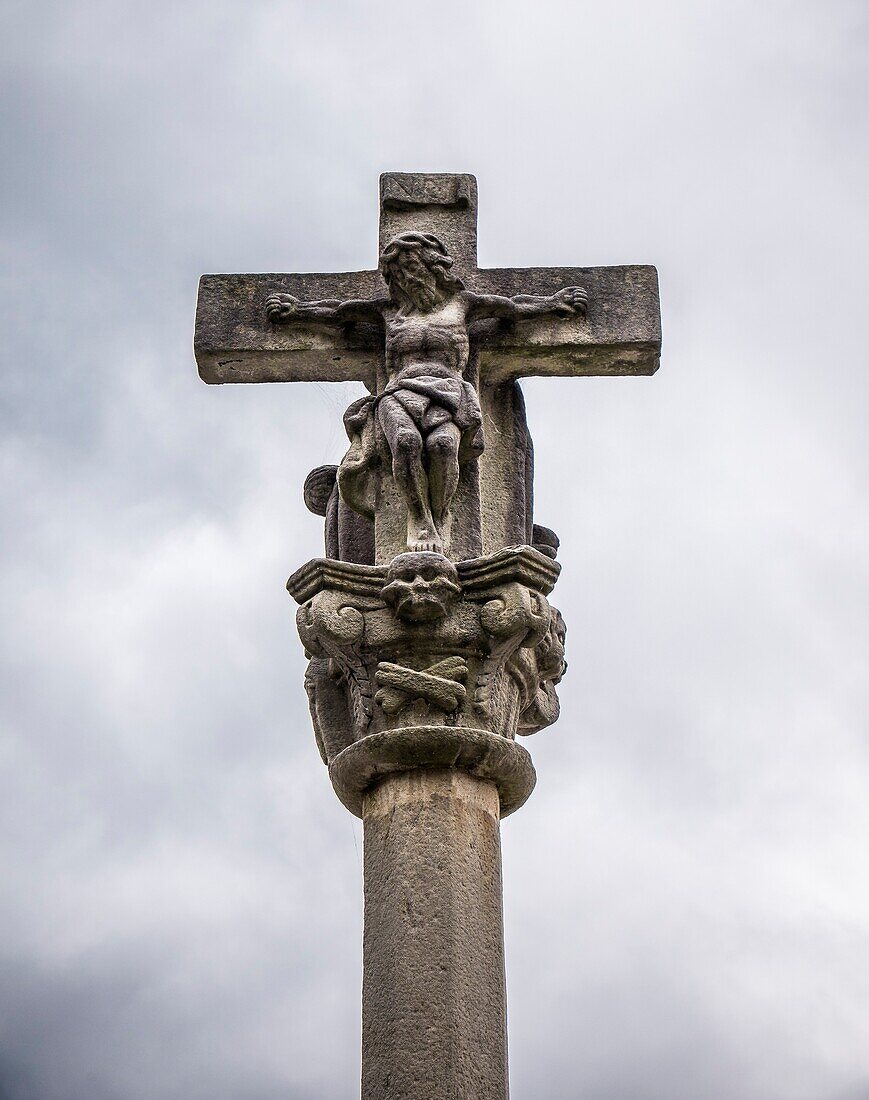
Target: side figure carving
<point x="428" y="412"/>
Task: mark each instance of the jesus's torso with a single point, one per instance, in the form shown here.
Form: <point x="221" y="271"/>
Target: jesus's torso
<point x="427" y="343"/>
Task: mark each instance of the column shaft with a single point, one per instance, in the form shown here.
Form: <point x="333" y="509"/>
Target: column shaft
<point x="434" y="1023"/>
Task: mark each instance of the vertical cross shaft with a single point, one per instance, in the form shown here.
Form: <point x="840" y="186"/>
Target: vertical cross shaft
<point x="445" y="205"/>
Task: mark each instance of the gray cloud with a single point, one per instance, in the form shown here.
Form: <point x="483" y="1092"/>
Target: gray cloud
<point x="686" y="894"/>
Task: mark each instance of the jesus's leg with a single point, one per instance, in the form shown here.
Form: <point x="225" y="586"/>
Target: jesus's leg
<point x="405" y="446"/>
<point x="442" y="450"/>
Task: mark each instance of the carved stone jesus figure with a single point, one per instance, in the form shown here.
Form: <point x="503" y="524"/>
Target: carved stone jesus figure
<point x="428" y="412"/>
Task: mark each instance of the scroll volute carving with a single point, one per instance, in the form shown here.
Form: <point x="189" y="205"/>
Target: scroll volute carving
<point x="517" y="616"/>
<point x="328" y="621"/>
<point x="331" y="631"/>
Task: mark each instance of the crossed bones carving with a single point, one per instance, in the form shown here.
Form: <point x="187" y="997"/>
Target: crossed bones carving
<point x="439" y="685"/>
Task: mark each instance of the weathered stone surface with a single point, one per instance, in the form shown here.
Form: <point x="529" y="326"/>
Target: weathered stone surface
<point x="619" y="334"/>
<point x="434" y="1022"/>
<point x="234" y="342"/>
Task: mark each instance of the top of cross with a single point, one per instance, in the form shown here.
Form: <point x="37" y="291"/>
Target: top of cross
<point x="619" y="334"/>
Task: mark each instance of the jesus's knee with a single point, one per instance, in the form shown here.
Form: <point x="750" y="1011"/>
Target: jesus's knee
<point x="407" y="445"/>
<point x="443" y="445"/>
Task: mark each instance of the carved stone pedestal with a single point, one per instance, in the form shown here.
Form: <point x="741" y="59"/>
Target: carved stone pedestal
<point x="421" y="674"/>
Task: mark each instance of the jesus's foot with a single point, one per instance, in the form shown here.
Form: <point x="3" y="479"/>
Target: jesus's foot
<point x="444" y="525"/>
<point x="425" y="539"/>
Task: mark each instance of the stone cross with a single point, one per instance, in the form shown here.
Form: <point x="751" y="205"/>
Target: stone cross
<point x="617" y="332"/>
<point x="430" y="639"/>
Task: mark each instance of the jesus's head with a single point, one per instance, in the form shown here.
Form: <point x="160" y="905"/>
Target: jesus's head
<point x="416" y="268"/>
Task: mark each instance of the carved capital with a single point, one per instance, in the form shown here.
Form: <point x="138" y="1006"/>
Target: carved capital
<point x="430" y="644"/>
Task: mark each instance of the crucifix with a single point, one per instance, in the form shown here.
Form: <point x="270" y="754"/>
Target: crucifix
<point x="430" y="638"/>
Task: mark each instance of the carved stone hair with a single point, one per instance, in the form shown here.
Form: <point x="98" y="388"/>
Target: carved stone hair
<point x="430" y="251"/>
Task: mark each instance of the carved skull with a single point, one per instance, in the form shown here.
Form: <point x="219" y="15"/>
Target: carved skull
<point x="421" y="587"/>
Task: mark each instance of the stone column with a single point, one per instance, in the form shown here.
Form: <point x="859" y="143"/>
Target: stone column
<point x="421" y="674"/>
<point x="434" y="1021"/>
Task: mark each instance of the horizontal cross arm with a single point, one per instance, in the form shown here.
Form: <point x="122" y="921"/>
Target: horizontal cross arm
<point x="234" y="342"/>
<point x="619" y="334"/>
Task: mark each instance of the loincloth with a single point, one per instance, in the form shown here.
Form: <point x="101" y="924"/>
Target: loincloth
<point x="429" y="400"/>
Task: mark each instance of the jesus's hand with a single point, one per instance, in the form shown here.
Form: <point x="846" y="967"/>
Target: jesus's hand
<point x="572" y="299"/>
<point x="280" y="307"/>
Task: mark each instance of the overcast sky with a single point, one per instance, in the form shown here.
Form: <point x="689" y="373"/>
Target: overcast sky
<point x="687" y="892"/>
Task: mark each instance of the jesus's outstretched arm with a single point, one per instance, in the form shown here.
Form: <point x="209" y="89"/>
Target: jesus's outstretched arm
<point x="522" y="307"/>
<point x="283" y="309"/>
